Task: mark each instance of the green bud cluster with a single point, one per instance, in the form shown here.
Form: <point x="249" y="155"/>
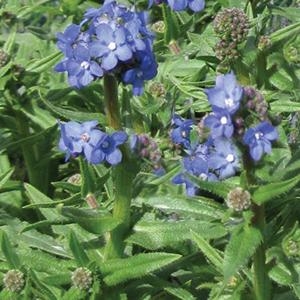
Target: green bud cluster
<point x="231" y="25"/>
<point x="157" y="89"/>
<point x="82" y="278"/>
<point x="14" y="280"/>
<point x="4" y="57"/>
<point x="159" y="27"/>
<point x="238" y="199"/>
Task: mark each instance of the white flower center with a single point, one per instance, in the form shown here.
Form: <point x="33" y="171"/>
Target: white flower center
<point x="85" y="65"/>
<point x="85" y="137"/>
<point x="105" y="144"/>
<point x="112" y="46"/>
<point x="183" y="134"/>
<point x="139" y="74"/>
<point x="229" y="102"/>
<point x="230" y="157"/>
<point x="258" y="135"/>
<point x="203" y="176"/>
<point x="223" y="120"/>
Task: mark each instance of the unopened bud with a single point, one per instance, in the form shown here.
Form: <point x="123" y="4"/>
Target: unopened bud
<point x="75" y="179"/>
<point x="91" y="201"/>
<point x="3" y="58"/>
<point x="159" y="27"/>
<point x="157" y="89"/>
<point x="238" y="199"/>
<point x="14" y="280"/>
<point x="82" y="278"/>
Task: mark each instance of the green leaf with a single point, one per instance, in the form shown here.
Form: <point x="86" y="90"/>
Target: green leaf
<point x="89" y="219"/>
<point x="212" y="254"/>
<point x="284" y="33"/>
<point x="78" y="251"/>
<point x="120" y="270"/>
<point x="219" y="188"/>
<point x="270" y="191"/>
<point x="9" y="252"/>
<point x="164" y="178"/>
<point x="37" y="197"/>
<point x="285" y="106"/>
<point x="74" y="115"/>
<point x="242" y="245"/>
<point x="171" y="25"/>
<point x="44" y="64"/>
<point x="158" y="234"/>
<point x="199" y="207"/>
<point x="180" y="293"/>
<point x="4" y="177"/>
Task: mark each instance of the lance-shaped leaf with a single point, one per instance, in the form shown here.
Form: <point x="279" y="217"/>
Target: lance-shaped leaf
<point x="5" y="176"/>
<point x="272" y="190"/>
<point x="78" y="251"/>
<point x="120" y="270"/>
<point x="179" y="293"/>
<point x="211" y="253"/>
<point x="44" y="64"/>
<point x="9" y="252"/>
<point x="89" y="219"/>
<point x="199" y="207"/>
<point x="158" y="234"/>
<point x="242" y="245"/>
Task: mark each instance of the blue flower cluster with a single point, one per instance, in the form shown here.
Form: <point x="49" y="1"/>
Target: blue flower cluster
<point x="218" y="158"/>
<point x="110" y="39"/>
<point x="85" y="139"/>
<point x="179" y="5"/>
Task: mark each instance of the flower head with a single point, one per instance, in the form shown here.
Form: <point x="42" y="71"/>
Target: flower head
<point x="226" y="94"/>
<point x="180" y="133"/>
<point x="79" y="138"/>
<point x="107" y="149"/>
<point x="224" y="160"/>
<point x="110" y="39"/>
<point x="179" y="5"/>
<point x="219" y="123"/>
<point x="259" y="139"/>
<point x="14" y="280"/>
<point x="82" y="278"/>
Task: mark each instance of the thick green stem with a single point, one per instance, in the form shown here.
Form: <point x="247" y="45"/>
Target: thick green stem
<point x="122" y="176"/>
<point x="261" y="281"/>
<point x="262" y="285"/>
<point x="111" y="102"/>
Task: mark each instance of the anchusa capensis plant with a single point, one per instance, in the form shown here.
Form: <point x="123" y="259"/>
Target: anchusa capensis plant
<point x="168" y="167"/>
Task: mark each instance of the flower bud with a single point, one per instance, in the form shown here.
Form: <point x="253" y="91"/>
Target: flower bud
<point x="157" y="89"/>
<point x="231" y="24"/>
<point x="159" y="27"/>
<point x="264" y="42"/>
<point x="75" y="179"/>
<point x="82" y="278"/>
<point x="91" y="201"/>
<point x="4" y="57"/>
<point x="238" y="199"/>
<point x="14" y="280"/>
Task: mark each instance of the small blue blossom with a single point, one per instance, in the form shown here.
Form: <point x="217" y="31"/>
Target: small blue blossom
<point x="145" y="70"/>
<point x="226" y="94"/>
<point x="180" y="133"/>
<point x="110" y="39"/>
<point x="224" y="161"/>
<point x="79" y="138"/>
<point x="107" y="148"/>
<point x="110" y="46"/>
<point x="259" y="139"/>
<point x="81" y="69"/>
<point x="219" y="122"/>
<point x="179" y="5"/>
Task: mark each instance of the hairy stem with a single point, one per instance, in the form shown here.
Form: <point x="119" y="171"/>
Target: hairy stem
<point x="122" y="176"/>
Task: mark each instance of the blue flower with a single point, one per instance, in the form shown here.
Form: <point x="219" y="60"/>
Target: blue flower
<point x="196" y="166"/>
<point x="219" y="123"/>
<point x="179" y="5"/>
<point x="259" y="139"/>
<point x="110" y="39"/>
<point x="107" y="148"/>
<point x="226" y="94"/>
<point x="180" y="133"/>
<point x="81" y="69"/>
<point x="110" y="46"/>
<point x="224" y="161"/>
<point x="79" y="138"/>
<point x="146" y="69"/>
